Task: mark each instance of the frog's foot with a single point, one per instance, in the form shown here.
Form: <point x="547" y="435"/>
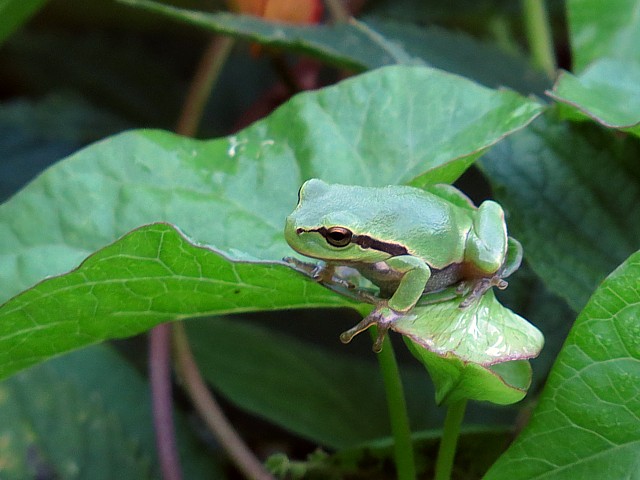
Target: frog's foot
<point x="383" y="317"/>
<point x="479" y="288"/>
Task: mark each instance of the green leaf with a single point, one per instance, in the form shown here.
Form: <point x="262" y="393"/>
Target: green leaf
<point x="35" y="134"/>
<point x="100" y="376"/>
<point x="372" y="43"/>
<point x="555" y="181"/>
<point x="474" y="353"/>
<point x="51" y="430"/>
<point x="608" y="91"/>
<point x="120" y="73"/>
<point x="13" y="13"/>
<point x="313" y="392"/>
<point x="603" y="30"/>
<point x="462" y="54"/>
<point x="231" y="193"/>
<point x="152" y="275"/>
<point x="485" y="332"/>
<point x="587" y="424"/>
<point x="388" y="126"/>
<point x="347" y="45"/>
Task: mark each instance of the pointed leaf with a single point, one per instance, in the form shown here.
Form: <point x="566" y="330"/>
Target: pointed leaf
<point x="13" y="13"/>
<point x="388" y="126"/>
<point x="152" y="275"/>
<point x="608" y="91"/>
<point x="485" y="332"/>
<point x="372" y="43"/>
<point x="474" y="353"/>
<point x="587" y="423"/>
<point x="603" y="30"/>
<point x="574" y="226"/>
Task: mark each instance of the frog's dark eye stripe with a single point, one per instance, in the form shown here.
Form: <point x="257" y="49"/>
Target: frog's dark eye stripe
<point x="392" y="249"/>
<point x="341" y="237"/>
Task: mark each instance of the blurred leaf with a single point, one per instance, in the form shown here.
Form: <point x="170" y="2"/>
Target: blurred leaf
<point x="35" y="134"/>
<point x="475" y="353"/>
<point x="555" y="181"/>
<point x="603" y="30"/>
<point x="459" y="53"/>
<point x="150" y="276"/>
<point x="385" y="127"/>
<point x="13" y="13"/>
<point x="99" y="375"/>
<point x="608" y="91"/>
<point x="372" y="44"/>
<point x="586" y="424"/>
<point x="311" y="391"/>
<point x="343" y="44"/>
<point x="51" y="430"/>
<point x="122" y="74"/>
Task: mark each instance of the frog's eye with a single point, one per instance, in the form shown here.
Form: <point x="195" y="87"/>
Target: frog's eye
<point x="338" y="236"/>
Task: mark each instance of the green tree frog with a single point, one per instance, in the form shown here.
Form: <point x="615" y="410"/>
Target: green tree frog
<point x="410" y="243"/>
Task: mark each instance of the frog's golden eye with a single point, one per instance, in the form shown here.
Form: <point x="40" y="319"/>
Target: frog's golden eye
<point x="338" y="236"/>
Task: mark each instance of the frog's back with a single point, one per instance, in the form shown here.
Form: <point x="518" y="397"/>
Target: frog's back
<point x="429" y="226"/>
<point x="437" y="228"/>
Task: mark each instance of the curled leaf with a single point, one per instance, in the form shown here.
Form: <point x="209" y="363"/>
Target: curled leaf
<point x="477" y="353"/>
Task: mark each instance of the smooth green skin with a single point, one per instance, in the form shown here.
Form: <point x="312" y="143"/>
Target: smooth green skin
<point x="434" y="231"/>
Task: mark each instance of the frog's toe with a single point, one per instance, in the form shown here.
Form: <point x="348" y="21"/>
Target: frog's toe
<point x="366" y="322"/>
<point x="481" y="287"/>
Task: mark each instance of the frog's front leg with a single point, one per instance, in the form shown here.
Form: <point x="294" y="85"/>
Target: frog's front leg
<point x="321" y="272"/>
<point x="416" y="273"/>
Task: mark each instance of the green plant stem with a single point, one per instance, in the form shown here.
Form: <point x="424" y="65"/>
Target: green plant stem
<point x="208" y="71"/>
<point x="400" y="429"/>
<point x="539" y="36"/>
<point x="211" y="412"/>
<point x="447" y="451"/>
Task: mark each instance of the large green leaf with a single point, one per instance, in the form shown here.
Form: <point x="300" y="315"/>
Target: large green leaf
<point x="555" y="180"/>
<point x="388" y="126"/>
<point x="603" y="30"/>
<point x="607" y="91"/>
<point x="13" y="13"/>
<point x="587" y="423"/>
<point x="152" y="275"/>
<point x="385" y="127"/>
